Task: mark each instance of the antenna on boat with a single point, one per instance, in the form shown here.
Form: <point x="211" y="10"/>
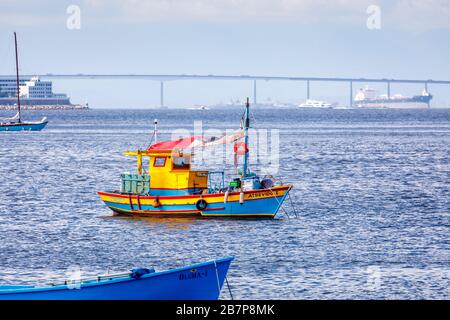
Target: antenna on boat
<point x="156" y="129"/>
<point x="17" y="76"/>
<point x="246" y="126"/>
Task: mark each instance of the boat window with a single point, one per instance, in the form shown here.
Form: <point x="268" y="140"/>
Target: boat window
<point x="159" y="162"/>
<point x="181" y="162"/>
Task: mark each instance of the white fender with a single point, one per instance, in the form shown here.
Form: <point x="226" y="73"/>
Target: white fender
<point x="225" y="196"/>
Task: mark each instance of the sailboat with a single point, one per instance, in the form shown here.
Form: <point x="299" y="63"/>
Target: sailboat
<point x="15" y="123"/>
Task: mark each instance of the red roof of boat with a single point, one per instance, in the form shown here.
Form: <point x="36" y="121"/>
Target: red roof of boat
<point x="182" y="143"/>
<point x="196" y="141"/>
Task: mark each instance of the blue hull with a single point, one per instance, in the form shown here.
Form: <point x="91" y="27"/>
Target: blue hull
<point x="196" y="282"/>
<point x="264" y="203"/>
<point x="23" y="126"/>
<point x="267" y="207"/>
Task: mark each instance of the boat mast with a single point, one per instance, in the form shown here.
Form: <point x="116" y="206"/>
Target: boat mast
<point x="246" y="126"/>
<point x="17" y="76"/>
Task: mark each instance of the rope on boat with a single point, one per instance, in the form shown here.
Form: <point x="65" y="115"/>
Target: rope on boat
<point x="217" y="277"/>
<point x="292" y="205"/>
<point x="288" y="195"/>
<point x="229" y="288"/>
<point x="280" y="204"/>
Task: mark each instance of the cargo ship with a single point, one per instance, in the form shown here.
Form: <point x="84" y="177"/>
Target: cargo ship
<point x="370" y="98"/>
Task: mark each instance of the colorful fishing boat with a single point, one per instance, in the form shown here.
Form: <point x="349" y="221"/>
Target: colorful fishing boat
<point x="201" y="281"/>
<point x="16" y="123"/>
<point x="172" y="187"/>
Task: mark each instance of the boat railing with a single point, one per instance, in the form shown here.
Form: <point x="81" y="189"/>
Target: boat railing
<point x="94" y="279"/>
<point x="216" y="181"/>
<point x="135" y="273"/>
<point x="106" y="277"/>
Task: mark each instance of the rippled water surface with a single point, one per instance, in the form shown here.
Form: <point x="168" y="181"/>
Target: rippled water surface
<point x="372" y="192"/>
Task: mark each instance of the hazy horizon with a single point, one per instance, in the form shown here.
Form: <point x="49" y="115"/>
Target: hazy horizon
<point x="267" y="37"/>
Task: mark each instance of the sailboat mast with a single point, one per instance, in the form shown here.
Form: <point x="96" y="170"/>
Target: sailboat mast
<point x="17" y="76"/>
<point x="246" y="126"/>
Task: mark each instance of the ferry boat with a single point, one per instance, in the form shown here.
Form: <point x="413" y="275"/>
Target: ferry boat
<point x="173" y="188"/>
<point x="16" y="123"/>
<point x="315" y="104"/>
<point x="370" y="98"/>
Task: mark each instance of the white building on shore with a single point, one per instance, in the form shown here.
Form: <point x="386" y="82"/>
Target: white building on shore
<point x="32" y="92"/>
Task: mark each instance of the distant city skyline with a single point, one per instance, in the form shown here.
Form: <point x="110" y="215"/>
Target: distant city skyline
<point x="265" y="37"/>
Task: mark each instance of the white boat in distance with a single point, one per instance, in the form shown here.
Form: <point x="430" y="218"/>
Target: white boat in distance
<point x="315" y="104"/>
<point x="199" y="107"/>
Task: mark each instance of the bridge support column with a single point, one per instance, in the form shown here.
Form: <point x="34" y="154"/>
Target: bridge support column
<point x="162" y="94"/>
<point x="307" y="90"/>
<point x="351" y="94"/>
<point x="254" y="92"/>
<point x="426" y="89"/>
<point x="388" y="90"/>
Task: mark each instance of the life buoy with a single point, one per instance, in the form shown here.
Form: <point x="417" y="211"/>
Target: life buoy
<point x="240" y="148"/>
<point x="201" y="204"/>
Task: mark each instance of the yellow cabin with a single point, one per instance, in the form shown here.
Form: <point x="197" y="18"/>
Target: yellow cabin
<point x="169" y="173"/>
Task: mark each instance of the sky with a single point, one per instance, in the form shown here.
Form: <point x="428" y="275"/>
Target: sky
<point x="341" y="38"/>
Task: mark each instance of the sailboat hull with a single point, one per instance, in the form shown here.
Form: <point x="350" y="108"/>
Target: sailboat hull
<point x="23" y="126"/>
<point x="263" y="203"/>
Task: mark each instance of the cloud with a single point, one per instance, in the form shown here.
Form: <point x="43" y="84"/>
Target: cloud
<point x="237" y="10"/>
<point x="409" y="15"/>
<point x="26" y="19"/>
<point x="17" y="13"/>
<point x="420" y="15"/>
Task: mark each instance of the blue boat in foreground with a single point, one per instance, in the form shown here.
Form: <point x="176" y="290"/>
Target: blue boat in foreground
<point x="201" y="281"/>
